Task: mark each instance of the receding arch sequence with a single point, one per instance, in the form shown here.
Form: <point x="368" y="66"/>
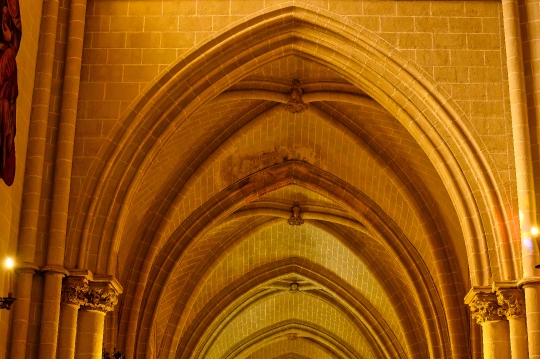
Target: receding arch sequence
<point x="317" y="336"/>
<point x="298" y="180"/>
<point x="371" y="319"/>
<point x="465" y="213"/>
<point x="306" y="237"/>
<point x="293" y="16"/>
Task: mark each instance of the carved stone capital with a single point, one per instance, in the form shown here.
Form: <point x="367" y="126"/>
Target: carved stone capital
<point x="510" y="298"/>
<point x="485" y="311"/>
<point x="483" y="304"/>
<point x="101" y="298"/>
<point x="102" y="294"/>
<point x="512" y="303"/>
<point x="74" y="290"/>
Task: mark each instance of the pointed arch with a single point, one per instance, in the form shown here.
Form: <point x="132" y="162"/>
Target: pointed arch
<point x="381" y="334"/>
<point x="365" y="61"/>
<point x="373" y="66"/>
<point x="159" y="264"/>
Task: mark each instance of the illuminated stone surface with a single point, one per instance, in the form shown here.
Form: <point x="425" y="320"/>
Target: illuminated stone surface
<point x="168" y="143"/>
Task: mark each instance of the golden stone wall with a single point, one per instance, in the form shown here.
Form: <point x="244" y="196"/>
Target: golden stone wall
<point x="129" y="44"/>
<point x="186" y="160"/>
<point x="11" y="197"/>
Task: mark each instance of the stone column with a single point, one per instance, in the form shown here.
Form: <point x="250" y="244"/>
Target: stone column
<point x="73" y="296"/>
<point x="495" y="328"/>
<point x="101" y="298"/>
<point x="531" y="286"/>
<point x="21" y="315"/>
<point x="35" y="159"/>
<point x="512" y="304"/>
<point x="50" y="314"/>
<point x="90" y="334"/>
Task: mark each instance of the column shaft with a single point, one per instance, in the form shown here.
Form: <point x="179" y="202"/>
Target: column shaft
<point x="532" y="300"/>
<point x="486" y="311"/>
<point x="90" y="329"/>
<point x="512" y="306"/>
<point x="37" y="135"/>
<point x="496" y="338"/>
<point x="35" y="158"/>
<point x="522" y="114"/>
<point x="21" y="313"/>
<point x="67" y="332"/>
<point x="520" y="132"/>
<point x="48" y="335"/>
<point x="66" y="134"/>
<point x="518" y="338"/>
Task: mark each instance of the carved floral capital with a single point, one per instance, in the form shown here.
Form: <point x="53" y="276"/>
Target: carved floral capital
<point x="485" y="309"/>
<point x="100" y="298"/>
<point x="73" y="291"/>
<point x="512" y="303"/>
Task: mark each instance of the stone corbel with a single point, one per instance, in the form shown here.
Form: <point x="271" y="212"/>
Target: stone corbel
<point x="510" y="298"/>
<point x="484" y="305"/>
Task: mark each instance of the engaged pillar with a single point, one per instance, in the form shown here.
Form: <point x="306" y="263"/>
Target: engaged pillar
<point x="73" y="296"/>
<point x="101" y="298"/>
<point x="531" y="287"/>
<point x="50" y="312"/>
<point x="512" y="304"/>
<point x="495" y="328"/>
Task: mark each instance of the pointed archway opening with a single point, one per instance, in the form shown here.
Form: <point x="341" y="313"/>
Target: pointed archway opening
<point x="359" y="79"/>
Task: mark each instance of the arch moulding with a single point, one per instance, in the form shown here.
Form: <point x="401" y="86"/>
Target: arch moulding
<point x="367" y="62"/>
<point x="376" y="68"/>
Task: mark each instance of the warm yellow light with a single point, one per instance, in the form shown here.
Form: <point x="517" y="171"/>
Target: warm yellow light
<point x="9" y="263"/>
<point x="520" y="216"/>
<point x="534" y="231"/>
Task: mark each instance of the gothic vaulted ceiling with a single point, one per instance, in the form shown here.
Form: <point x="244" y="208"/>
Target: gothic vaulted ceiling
<point x="290" y="190"/>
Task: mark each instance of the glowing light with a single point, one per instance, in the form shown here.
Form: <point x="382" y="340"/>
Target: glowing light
<point x="527" y="242"/>
<point x="520" y="216"/>
<point x="534" y="231"/>
<point x="9" y="275"/>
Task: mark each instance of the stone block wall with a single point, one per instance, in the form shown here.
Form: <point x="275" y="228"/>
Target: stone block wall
<point x="11" y="197"/>
<point x="460" y="44"/>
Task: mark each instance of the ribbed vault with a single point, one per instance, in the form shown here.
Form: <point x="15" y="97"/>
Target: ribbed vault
<point x="393" y="192"/>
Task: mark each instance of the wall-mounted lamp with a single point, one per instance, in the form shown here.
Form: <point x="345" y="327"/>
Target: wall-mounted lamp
<point x="6" y="302"/>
